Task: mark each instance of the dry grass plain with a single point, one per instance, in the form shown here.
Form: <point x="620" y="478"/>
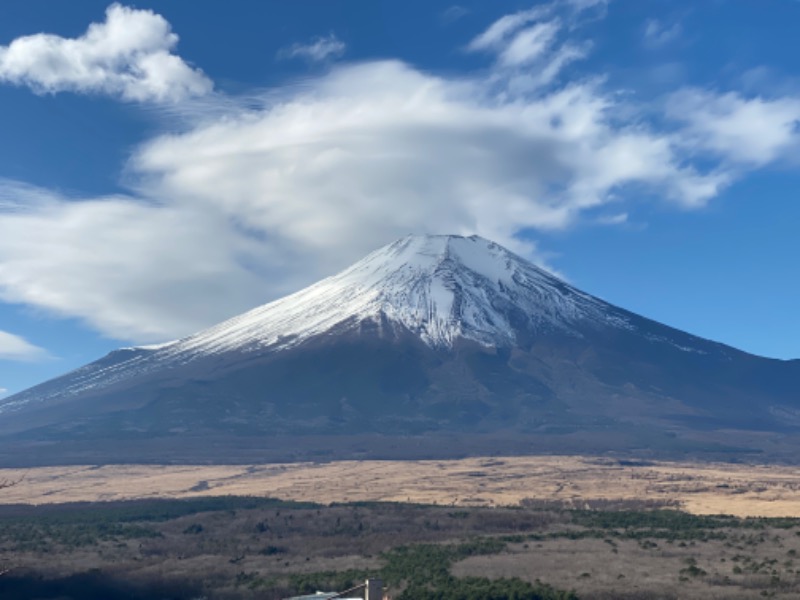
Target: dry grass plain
<point x="699" y="488"/>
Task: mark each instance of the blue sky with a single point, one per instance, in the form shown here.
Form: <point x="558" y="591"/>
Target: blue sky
<point x="164" y="166"/>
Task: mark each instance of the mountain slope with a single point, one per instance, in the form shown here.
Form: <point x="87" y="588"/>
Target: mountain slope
<point x="433" y="335"/>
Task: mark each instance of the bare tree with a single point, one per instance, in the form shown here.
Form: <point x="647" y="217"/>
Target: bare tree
<point x="7" y="483"/>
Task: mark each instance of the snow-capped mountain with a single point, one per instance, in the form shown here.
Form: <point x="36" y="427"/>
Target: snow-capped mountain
<point x="429" y="333"/>
<point x="441" y="288"/>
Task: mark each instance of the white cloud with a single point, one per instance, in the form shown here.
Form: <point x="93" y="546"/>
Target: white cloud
<point x="319" y="50"/>
<point x="132" y="269"/>
<point x="255" y="200"/>
<point x="454" y="13"/>
<point x="498" y="33"/>
<point x="3" y="391"/>
<point x="374" y="150"/>
<point x="529" y="45"/>
<point x="614" y="219"/>
<point x="16" y="348"/>
<point x="128" y="56"/>
<point x="581" y="5"/>
<point x="753" y="131"/>
<point x="657" y="34"/>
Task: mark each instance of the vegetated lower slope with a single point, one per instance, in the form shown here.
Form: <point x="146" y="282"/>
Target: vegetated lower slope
<point x="431" y="335"/>
<point x="237" y="548"/>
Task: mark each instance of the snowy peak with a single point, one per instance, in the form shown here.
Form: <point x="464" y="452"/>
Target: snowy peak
<point x="438" y="287"/>
<point x="424" y="255"/>
<point x="445" y="287"/>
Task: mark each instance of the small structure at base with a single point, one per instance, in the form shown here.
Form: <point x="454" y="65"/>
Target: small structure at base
<point x="373" y="590"/>
<point x="317" y="596"/>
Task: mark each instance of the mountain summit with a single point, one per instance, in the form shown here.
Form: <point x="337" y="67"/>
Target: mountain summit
<point x="441" y="288"/>
<point x="429" y="338"/>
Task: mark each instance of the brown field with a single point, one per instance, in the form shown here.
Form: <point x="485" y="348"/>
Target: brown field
<point x="699" y="488"/>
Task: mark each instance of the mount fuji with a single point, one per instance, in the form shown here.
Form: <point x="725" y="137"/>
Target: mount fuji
<point x="431" y="346"/>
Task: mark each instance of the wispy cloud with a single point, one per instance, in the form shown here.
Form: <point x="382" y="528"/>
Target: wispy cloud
<point x="128" y="56"/>
<point x="502" y="30"/>
<point x="454" y="13"/>
<point x="16" y="348"/>
<point x="531" y="47"/>
<point x="657" y="34"/>
<point x="318" y="50"/>
<point x="751" y="130"/>
<point x="613" y="219"/>
<point x="582" y="5"/>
